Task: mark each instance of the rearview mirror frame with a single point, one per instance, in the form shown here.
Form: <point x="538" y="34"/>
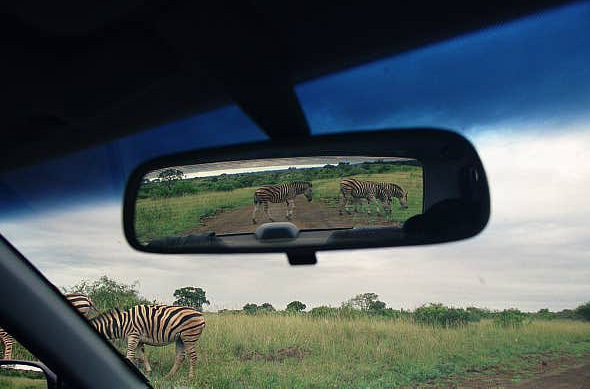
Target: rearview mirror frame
<point x="456" y="201"/>
<point x="50" y="377"/>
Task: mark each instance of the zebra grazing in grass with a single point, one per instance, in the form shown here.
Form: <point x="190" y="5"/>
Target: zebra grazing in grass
<point x="281" y="193"/>
<point x="355" y="190"/>
<point x="8" y="342"/>
<point x="80" y="301"/>
<point x="387" y="191"/>
<point x="154" y="325"/>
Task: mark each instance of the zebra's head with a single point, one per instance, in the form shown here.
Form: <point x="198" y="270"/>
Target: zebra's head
<point x="307" y="192"/>
<point x="403" y="201"/>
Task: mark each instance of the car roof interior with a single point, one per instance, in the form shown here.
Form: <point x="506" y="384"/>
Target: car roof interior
<point x="90" y="73"/>
<point x="77" y="74"/>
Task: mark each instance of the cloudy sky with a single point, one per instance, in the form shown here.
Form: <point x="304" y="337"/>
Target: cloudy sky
<point x="519" y="92"/>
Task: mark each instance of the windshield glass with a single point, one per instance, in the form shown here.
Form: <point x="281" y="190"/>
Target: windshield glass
<point x="365" y="318"/>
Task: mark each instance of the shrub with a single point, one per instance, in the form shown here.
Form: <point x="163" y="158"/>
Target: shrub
<point x="440" y="315"/>
<point x="510" y="318"/>
<point x="583" y="311"/>
<point x="107" y="293"/>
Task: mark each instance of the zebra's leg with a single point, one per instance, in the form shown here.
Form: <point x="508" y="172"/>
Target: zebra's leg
<point x="377" y="208"/>
<point x="254" y="212"/>
<point x="341" y="202"/>
<point x="356" y="201"/>
<point x="290" y="207"/>
<point x="179" y="358"/>
<point x="8" y="341"/>
<point x="267" y="211"/>
<point x="132" y="343"/>
<point x="192" y="352"/>
<point x="148" y="368"/>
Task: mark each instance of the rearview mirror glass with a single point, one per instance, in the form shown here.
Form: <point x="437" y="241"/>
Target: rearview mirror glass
<point x="371" y="189"/>
<point x="320" y="192"/>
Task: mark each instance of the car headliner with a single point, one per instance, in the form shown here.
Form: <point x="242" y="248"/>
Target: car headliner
<point x="89" y="74"/>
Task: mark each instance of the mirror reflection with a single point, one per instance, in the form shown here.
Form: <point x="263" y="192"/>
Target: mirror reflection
<point x="323" y="193"/>
<point x="22" y="376"/>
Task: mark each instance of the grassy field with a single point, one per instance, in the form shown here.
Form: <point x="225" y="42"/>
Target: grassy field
<point x="304" y="352"/>
<point x="22" y="383"/>
<point x="299" y="351"/>
<point x="164" y="216"/>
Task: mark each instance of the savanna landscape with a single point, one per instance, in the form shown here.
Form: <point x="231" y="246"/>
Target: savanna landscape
<point x="363" y="343"/>
<point x="175" y="205"/>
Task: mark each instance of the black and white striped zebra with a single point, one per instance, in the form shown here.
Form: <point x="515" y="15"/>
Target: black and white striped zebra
<point x="154" y="325"/>
<point x="281" y="193"/>
<point x="355" y="190"/>
<point x="386" y="192"/>
<point x="8" y="343"/>
<point x="80" y="301"/>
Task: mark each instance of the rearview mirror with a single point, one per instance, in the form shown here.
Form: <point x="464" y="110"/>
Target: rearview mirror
<point x="26" y="374"/>
<point x="351" y="190"/>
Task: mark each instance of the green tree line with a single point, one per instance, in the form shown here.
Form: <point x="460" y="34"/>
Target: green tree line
<point x="170" y="184"/>
<point x="108" y="294"/>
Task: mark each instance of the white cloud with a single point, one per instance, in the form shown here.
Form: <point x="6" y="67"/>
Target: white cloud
<point x="533" y="254"/>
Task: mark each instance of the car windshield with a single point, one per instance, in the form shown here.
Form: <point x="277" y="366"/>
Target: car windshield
<point x="509" y="305"/>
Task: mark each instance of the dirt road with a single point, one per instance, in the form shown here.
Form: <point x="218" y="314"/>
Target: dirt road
<point x="542" y="371"/>
<point x="315" y="214"/>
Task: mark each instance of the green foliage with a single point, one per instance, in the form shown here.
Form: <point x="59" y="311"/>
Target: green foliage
<point x="476" y="314"/>
<point x="171" y="184"/>
<point x="584" y="311"/>
<point x="324" y="311"/>
<point x="363" y="301"/>
<point x="376" y="305"/>
<point x="440" y="315"/>
<point x="510" y="318"/>
<point x="545" y="314"/>
<point x="191" y="297"/>
<point x="171" y="175"/>
<point x="266" y="307"/>
<point x="250" y="308"/>
<point x="296" y="306"/>
<point x="108" y="294"/>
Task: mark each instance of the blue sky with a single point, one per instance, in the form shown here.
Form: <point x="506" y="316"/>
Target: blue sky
<point x="519" y="91"/>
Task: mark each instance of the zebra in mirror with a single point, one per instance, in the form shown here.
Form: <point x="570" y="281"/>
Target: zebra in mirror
<point x="355" y="190"/>
<point x="80" y="301"/>
<point x="386" y="192"/>
<point x="281" y="193"/>
<point x="154" y="325"/>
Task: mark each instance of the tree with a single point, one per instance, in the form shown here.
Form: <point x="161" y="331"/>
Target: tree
<point x="267" y="307"/>
<point x="296" y="306"/>
<point x="250" y="308"/>
<point x="362" y="301"/>
<point x="171" y="175"/>
<point x="584" y="311"/>
<point x="376" y="305"/>
<point x="191" y="297"/>
<point x="107" y="293"/>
